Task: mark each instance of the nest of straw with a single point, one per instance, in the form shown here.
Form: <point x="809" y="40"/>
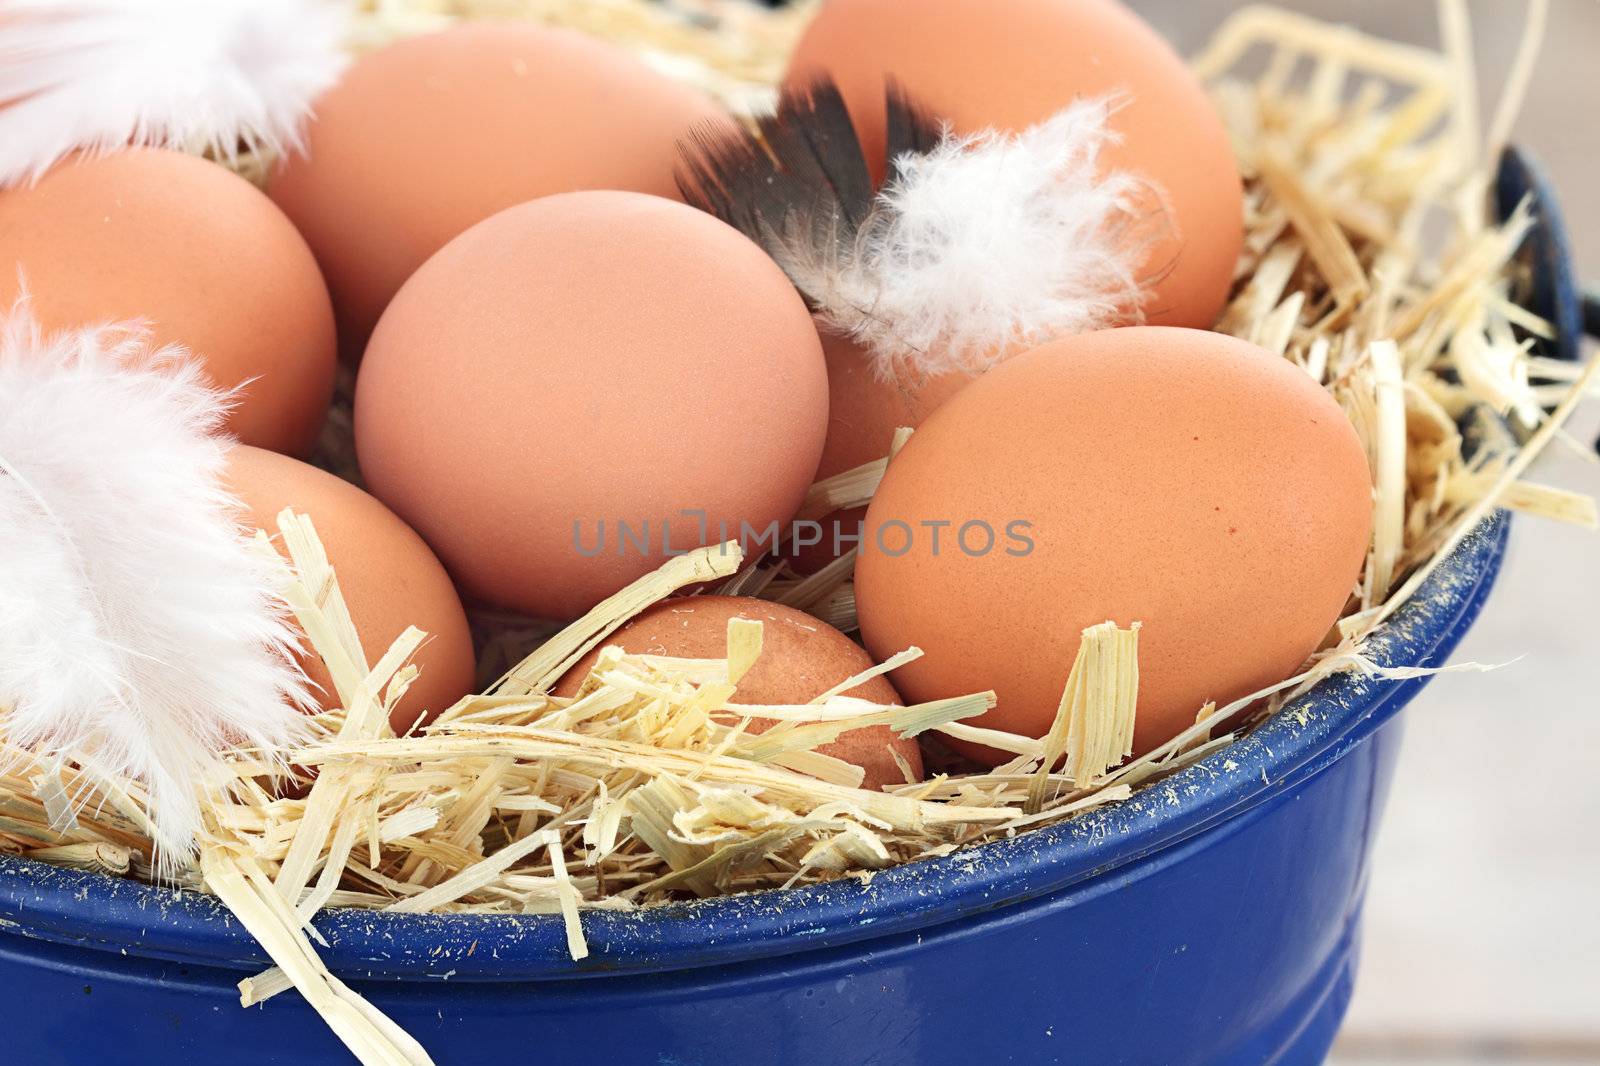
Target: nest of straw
<point x="1371" y="261"/>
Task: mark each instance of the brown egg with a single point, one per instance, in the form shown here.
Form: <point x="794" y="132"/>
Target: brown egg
<point x="197" y="252"/>
<point x="585" y="361"/>
<point x="426" y="137"/>
<point x="801" y="658"/>
<point x="980" y="64"/>
<point x="863" y="413"/>
<point x="389" y="577"/>
<point x="1185" y="480"/>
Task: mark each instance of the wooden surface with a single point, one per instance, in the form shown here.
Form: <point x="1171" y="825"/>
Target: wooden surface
<point x="1483" y="919"/>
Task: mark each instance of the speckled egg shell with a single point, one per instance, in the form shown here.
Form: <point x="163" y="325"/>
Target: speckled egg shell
<point x="801" y="658"/>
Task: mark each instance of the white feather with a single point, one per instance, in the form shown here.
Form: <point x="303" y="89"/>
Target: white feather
<point x="198" y="75"/>
<point x="140" y="632"/>
<point x="990" y="243"/>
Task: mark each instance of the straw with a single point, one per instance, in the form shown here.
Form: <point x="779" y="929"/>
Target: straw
<point x="646" y="787"/>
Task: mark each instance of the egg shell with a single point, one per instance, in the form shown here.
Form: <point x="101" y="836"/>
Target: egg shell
<point x="200" y="255"/>
<point x="864" y="410"/>
<point x="981" y="64"/>
<point x="389" y="578"/>
<point x="801" y="658"/>
<point x="426" y="137"/>
<point x="594" y="357"/>
<point x="1184" y="480"/>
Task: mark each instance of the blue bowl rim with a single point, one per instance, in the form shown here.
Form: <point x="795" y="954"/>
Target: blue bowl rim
<point x="112" y="914"/>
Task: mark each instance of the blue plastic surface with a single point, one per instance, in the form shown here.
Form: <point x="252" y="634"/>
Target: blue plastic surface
<point x="1210" y="919"/>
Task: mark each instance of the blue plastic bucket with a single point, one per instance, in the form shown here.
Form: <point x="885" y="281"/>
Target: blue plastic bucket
<point x="1212" y="918"/>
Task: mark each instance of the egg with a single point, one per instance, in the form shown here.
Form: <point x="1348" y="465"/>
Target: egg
<point x="389" y="578"/>
<point x="979" y="64"/>
<point x="200" y="255"/>
<point x="864" y="410"/>
<point x="428" y="136"/>
<point x="1185" y="480"/>
<point x="582" y="385"/>
<point x="801" y="658"/>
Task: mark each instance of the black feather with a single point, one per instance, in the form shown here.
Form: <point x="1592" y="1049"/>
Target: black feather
<point x="801" y="172"/>
<point x="912" y="129"/>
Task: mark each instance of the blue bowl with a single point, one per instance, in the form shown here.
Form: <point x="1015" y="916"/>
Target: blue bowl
<point x="1212" y="918"/>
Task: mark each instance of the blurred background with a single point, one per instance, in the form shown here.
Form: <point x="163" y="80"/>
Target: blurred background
<point x="1483" y="916"/>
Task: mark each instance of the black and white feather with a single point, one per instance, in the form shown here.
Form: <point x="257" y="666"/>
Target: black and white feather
<point x="141" y="634"/>
<point x="976" y="246"/>
<point x="222" y="76"/>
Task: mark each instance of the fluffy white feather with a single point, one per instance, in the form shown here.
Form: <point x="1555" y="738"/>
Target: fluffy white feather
<point x="218" y="75"/>
<point x="988" y="243"/>
<point x="139" y="630"/>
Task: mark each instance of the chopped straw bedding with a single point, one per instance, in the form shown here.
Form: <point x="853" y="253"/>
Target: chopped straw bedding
<point x="1370" y="261"/>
